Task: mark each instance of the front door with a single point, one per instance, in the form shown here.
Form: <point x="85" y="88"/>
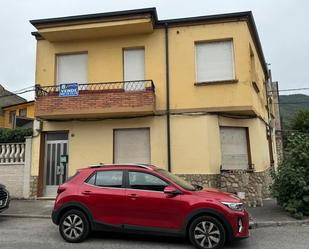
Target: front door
<point x="56" y="169"/>
<point x="148" y="206"/>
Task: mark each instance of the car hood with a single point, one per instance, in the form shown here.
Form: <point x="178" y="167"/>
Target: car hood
<point x="218" y="195"/>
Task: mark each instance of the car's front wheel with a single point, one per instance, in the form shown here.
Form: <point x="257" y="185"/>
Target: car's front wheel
<point x="74" y="226"/>
<point x="207" y="232"/>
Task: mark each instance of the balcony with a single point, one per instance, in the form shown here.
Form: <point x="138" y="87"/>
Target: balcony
<point x="96" y="100"/>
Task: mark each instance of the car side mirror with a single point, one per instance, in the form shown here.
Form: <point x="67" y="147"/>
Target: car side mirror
<point x="170" y="190"/>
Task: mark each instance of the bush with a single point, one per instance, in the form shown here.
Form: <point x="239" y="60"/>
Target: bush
<point x="291" y="182"/>
<point x="14" y="136"/>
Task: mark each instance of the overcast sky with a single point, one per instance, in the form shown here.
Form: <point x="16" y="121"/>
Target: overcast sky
<point x="283" y="28"/>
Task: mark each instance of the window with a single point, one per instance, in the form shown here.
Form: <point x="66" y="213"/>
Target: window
<point x="134" y="68"/>
<point x="132" y="145"/>
<point x="72" y="68"/>
<point x="214" y="61"/>
<point x="234" y="148"/>
<point x="144" y="181"/>
<point x="23" y="112"/>
<point x="107" y="179"/>
<point x="12" y="117"/>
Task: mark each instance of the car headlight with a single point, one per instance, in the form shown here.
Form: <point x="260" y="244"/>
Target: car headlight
<point x="235" y="206"/>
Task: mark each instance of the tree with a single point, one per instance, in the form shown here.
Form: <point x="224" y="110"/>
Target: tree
<point x="300" y="122"/>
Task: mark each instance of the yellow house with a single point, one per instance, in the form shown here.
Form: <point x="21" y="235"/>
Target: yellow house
<point x="188" y="95"/>
<point x="18" y="115"/>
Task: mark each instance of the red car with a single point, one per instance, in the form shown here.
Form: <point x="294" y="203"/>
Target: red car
<point x="146" y="199"/>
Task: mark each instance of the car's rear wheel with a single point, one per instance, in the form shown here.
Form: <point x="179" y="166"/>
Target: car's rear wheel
<point x="74" y="226"/>
<point x="207" y="232"/>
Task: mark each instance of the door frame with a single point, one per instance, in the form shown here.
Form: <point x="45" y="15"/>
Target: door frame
<point x="41" y="181"/>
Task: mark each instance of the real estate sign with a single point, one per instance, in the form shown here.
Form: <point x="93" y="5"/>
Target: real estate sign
<point x="67" y="90"/>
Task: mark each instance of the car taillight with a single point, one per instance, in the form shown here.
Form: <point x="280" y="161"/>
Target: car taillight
<point x="60" y="189"/>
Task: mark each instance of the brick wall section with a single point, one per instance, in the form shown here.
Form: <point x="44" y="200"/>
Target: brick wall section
<point x="95" y="100"/>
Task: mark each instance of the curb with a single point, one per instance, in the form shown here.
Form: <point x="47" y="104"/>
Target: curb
<point x="26" y="216"/>
<point x="259" y="224"/>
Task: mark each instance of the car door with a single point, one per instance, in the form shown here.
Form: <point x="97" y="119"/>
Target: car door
<point x="104" y="195"/>
<point x="148" y="206"/>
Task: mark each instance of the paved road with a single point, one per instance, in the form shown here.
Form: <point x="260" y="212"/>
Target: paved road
<point x="25" y="233"/>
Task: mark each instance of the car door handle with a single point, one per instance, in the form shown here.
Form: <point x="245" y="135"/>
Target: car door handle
<point x="133" y="196"/>
<point x="86" y="192"/>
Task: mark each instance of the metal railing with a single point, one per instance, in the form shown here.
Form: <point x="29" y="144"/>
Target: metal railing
<point x="136" y="85"/>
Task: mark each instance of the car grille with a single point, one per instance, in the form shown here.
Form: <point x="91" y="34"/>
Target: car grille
<point x="3" y="197"/>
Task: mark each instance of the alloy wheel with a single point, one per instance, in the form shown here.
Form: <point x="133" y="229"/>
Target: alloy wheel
<point x="207" y="234"/>
<point x="73" y="226"/>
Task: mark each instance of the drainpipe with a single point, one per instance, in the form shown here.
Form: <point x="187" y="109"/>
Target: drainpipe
<point x="168" y="123"/>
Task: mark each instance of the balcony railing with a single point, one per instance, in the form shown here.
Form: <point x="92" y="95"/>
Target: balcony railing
<point x="94" y="100"/>
<point x="133" y="86"/>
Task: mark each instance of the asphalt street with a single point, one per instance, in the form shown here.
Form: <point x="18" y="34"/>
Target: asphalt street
<point x="26" y="233"/>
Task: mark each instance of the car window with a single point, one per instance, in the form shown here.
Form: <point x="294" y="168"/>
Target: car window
<point x="177" y="180"/>
<point x="112" y="178"/>
<point x="145" y="181"/>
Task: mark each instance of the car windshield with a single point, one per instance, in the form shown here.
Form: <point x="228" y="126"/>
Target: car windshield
<point x="178" y="180"/>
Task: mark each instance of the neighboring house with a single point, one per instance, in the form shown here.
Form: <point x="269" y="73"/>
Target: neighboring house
<point x="7" y="98"/>
<point x="18" y="115"/>
<point x="278" y="123"/>
<point x="186" y="94"/>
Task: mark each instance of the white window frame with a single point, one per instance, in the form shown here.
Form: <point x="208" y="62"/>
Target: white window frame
<point x="233" y="76"/>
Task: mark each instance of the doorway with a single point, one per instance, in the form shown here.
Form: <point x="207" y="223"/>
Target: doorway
<point x="55" y="162"/>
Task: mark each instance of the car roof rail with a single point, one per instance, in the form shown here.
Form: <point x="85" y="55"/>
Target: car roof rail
<point x="145" y="166"/>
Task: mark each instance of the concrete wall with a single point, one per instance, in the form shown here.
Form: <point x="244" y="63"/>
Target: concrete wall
<point x="16" y="177"/>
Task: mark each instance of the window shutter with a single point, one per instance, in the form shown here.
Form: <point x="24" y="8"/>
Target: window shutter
<point x="214" y="61"/>
<point x="134" y="69"/>
<point x="234" y="148"/>
<point x="132" y="146"/>
<point x="72" y="68"/>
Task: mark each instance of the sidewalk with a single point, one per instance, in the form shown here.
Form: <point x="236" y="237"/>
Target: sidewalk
<point x="29" y="209"/>
<point x="268" y="215"/>
<point x="272" y="215"/>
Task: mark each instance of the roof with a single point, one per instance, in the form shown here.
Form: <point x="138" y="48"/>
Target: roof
<point x="8" y="98"/>
<point x="236" y="16"/>
<point x="22" y="103"/>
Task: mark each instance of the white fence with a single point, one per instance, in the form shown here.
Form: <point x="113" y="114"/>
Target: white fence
<point x="15" y="163"/>
<point x="12" y="153"/>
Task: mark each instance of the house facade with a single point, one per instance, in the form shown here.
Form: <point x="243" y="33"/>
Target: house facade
<point x="188" y="95"/>
<point x="19" y="115"/>
<point x="7" y="98"/>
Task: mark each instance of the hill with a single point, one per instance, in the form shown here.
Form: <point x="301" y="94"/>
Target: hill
<point x="290" y="104"/>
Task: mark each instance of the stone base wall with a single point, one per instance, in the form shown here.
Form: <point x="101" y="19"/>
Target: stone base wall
<point x="254" y="185"/>
<point x="33" y="187"/>
<point x="212" y="181"/>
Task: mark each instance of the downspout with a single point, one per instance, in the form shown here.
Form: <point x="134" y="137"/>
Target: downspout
<point x="168" y="115"/>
